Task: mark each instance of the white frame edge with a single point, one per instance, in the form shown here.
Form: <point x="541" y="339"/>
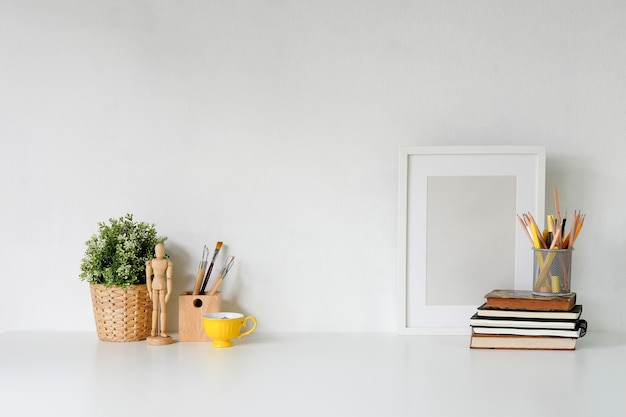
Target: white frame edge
<point x="404" y="154"/>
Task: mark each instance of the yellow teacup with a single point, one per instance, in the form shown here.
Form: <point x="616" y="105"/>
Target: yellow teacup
<point x="223" y="326"/>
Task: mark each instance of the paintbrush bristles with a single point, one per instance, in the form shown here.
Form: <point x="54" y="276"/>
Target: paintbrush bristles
<point x="218" y="246"/>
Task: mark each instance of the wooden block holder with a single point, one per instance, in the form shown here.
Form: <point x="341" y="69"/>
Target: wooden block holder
<point x="190" y="310"/>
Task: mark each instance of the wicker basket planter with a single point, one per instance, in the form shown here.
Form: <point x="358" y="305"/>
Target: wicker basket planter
<point x="122" y="315"/>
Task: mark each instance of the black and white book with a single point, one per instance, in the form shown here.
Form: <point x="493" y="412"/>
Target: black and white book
<point x="573" y="314"/>
<point x="575" y="333"/>
<point x="524" y="323"/>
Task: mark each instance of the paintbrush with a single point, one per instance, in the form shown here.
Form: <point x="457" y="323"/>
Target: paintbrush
<point x="201" y="269"/>
<point x="218" y="246"/>
<point x="216" y="285"/>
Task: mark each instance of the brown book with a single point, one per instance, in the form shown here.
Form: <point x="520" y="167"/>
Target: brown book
<point x="526" y="300"/>
<point x="498" y="341"/>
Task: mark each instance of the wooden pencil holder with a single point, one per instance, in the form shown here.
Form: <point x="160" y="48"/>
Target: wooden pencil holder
<point x="190" y="310"/>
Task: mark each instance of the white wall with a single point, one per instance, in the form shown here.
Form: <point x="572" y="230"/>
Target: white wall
<point x="275" y="126"/>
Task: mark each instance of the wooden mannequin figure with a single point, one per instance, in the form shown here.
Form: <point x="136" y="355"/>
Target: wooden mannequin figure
<point x="159" y="290"/>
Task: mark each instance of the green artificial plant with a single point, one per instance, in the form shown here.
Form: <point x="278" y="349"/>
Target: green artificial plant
<point x="116" y="255"/>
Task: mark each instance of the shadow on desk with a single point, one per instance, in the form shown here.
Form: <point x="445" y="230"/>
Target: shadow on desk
<point x="601" y="340"/>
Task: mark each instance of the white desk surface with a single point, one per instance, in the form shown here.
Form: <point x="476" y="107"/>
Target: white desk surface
<point x="75" y="374"/>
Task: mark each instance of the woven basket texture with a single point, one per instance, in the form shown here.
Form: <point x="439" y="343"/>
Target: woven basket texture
<point x="122" y="315"/>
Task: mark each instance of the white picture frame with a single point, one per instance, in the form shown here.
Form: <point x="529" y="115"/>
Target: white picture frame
<point x="512" y="177"/>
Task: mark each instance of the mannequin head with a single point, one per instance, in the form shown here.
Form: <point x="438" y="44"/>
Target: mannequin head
<point x="159" y="250"/>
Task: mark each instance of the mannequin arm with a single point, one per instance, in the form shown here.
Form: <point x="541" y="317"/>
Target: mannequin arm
<point x="149" y="278"/>
<point x="169" y="273"/>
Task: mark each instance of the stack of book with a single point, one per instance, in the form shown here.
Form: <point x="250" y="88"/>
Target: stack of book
<point x="517" y="319"/>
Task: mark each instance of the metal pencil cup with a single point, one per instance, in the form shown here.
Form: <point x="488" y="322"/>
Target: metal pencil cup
<point x="552" y="272"/>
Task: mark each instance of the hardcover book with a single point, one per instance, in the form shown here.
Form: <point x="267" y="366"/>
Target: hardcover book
<point x="475" y="320"/>
<point x="576" y="333"/>
<point x="526" y="300"/>
<point x="573" y="314"/>
<point x="482" y="341"/>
